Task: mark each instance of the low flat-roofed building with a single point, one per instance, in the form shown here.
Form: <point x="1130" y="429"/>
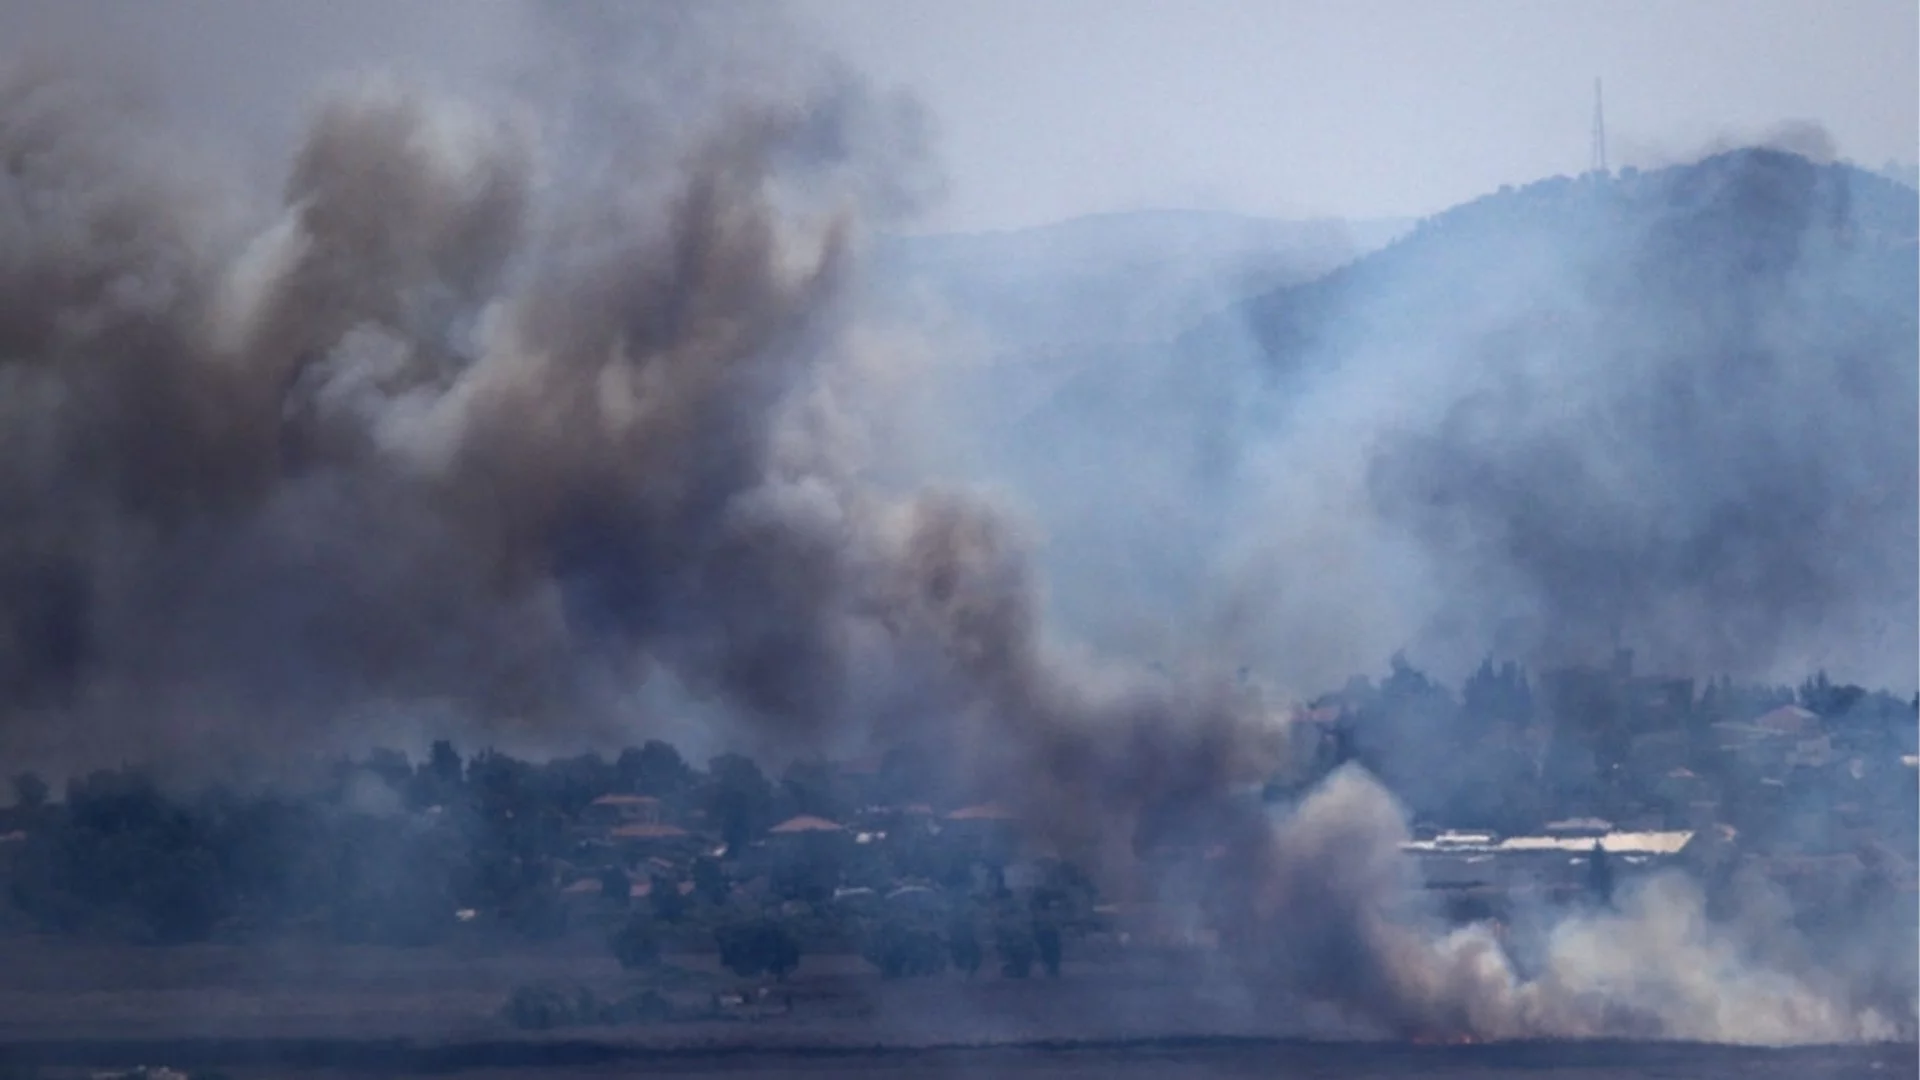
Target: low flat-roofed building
<point x="1790" y="720"/>
<point x="1647" y="842"/>
<point x="1556" y="863"/>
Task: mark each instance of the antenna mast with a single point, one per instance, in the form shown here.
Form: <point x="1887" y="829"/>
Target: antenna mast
<point x="1599" y="154"/>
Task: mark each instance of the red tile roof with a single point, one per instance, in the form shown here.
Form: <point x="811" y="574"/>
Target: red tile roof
<point x="648" y="831"/>
<point x="806" y="823"/>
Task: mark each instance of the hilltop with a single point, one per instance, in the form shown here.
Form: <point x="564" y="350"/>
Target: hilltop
<point x="1115" y="278"/>
<point x="1674" y="404"/>
<point x="1724" y="227"/>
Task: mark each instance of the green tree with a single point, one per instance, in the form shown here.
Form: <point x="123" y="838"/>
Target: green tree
<point x="809" y="875"/>
<point x="1046" y="942"/>
<point x="443" y="763"/>
<point x="753" y="946"/>
<point x="437" y="782"/>
<point x="636" y="944"/>
<point x="782" y="950"/>
<point x="814" y="787"/>
<point x="127" y="862"/>
<point x="1819" y="694"/>
<point x="1599" y="874"/>
<point x="666" y="900"/>
<point x="963" y="941"/>
<point x="29" y="791"/>
<point x="616" y="886"/>
<point x="903" y="948"/>
<point x="1500" y="699"/>
<point x="739" y="801"/>
<point x="655" y="769"/>
<point x="391" y="766"/>
<point x="1013" y="940"/>
<point x="567" y="785"/>
<point x="710" y="881"/>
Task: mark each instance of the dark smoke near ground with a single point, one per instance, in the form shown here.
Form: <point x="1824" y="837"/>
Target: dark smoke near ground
<point x="491" y="416"/>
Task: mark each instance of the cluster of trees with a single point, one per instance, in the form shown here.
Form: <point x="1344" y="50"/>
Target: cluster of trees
<point x="1472" y="759"/>
<point x="387" y="850"/>
<point x="899" y="944"/>
<point x="908" y="945"/>
<point x="545" y="1008"/>
<point x="121" y="858"/>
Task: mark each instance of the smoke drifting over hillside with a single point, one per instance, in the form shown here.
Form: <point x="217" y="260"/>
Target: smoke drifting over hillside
<point x="496" y="413"/>
<point x="1672" y="410"/>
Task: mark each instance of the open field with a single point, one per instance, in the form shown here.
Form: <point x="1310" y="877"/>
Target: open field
<point x="258" y="1011"/>
<point x="54" y="990"/>
<point x="576" y="1060"/>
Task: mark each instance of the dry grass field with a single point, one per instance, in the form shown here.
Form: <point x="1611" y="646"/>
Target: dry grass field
<point x="255" y="1011"/>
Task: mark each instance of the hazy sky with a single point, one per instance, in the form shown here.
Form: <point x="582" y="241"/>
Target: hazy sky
<point x="1051" y="108"/>
<point x="1362" y="107"/>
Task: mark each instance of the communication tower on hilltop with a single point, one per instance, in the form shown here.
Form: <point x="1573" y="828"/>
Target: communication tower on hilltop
<point x="1599" y="162"/>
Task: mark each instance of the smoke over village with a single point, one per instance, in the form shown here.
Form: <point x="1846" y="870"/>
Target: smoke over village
<point x="601" y="404"/>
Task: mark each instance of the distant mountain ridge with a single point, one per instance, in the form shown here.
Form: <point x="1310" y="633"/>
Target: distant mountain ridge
<point x="1678" y="405"/>
<point x="1747" y="204"/>
<point x="1125" y="277"/>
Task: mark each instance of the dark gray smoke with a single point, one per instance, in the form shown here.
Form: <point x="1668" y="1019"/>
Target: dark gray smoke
<point x="436" y="431"/>
<point x="496" y="416"/>
<point x="493" y="418"/>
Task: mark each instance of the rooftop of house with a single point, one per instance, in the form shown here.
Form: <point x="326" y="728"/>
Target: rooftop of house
<point x="806" y="823"/>
<point x="1788" y="719"/>
<point x="648" y="831"/>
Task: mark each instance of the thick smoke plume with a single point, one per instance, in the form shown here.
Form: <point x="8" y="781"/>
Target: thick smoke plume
<point x="436" y="430"/>
<point x="498" y="416"/>
<point x="1333" y="908"/>
<point x="495" y="415"/>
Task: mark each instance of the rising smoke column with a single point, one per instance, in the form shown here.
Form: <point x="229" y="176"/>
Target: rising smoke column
<point x="497" y="412"/>
<point x="1335" y="908"/>
<point x="440" y="430"/>
<point x="495" y="419"/>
